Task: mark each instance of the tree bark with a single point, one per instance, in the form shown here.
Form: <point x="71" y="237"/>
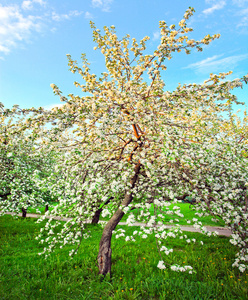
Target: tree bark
<point x="104" y="254"/>
<point x="24" y="212"/>
<point x="46" y="208"/>
<point x="96" y="216"/>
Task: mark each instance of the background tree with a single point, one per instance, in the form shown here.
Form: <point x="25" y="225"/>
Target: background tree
<point x="24" y="166"/>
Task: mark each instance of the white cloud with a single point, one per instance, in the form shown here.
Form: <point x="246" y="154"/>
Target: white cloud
<point x="60" y="17"/>
<point x="88" y="15"/>
<point x="4" y="49"/>
<point x="53" y="29"/>
<point x="103" y="4"/>
<point x="243" y="22"/>
<point x="41" y="2"/>
<point x="28" y="4"/>
<point x="216" y="6"/>
<point x="97" y="3"/>
<point x="239" y="2"/>
<point x="217" y="64"/>
<point x="17" y="27"/>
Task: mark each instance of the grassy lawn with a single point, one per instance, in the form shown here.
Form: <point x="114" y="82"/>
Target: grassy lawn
<point x="42" y="208"/>
<point x="189" y="214"/>
<point x="26" y="275"/>
<point x="186" y="210"/>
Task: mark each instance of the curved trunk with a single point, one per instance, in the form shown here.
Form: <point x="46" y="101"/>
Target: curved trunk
<point x="104" y="254"/>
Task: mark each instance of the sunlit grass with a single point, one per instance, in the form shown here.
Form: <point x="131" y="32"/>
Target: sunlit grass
<point x="186" y="210"/>
<point x="41" y="209"/>
<point x="189" y="214"/>
<point x="25" y="275"/>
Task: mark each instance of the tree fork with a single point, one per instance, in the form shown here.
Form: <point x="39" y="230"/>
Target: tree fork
<point x="104" y="254"/>
<point x="97" y="214"/>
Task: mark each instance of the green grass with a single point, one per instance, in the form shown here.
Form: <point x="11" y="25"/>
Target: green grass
<point x="42" y="208"/>
<point x="25" y="275"/>
<point x="186" y="210"/>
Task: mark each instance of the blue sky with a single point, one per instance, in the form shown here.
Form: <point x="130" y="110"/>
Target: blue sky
<point x="36" y="35"/>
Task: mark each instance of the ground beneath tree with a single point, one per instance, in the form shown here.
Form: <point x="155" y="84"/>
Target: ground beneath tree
<point x="221" y="230"/>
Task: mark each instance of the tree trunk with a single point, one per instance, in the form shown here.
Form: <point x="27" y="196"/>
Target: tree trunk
<point x="24" y="212"/>
<point x="96" y="216"/>
<point x="104" y="254"/>
<point x="46" y="208"/>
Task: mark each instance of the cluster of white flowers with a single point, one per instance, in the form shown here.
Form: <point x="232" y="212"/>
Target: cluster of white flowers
<point x="130" y="220"/>
<point x="105" y="213"/>
<point x="178" y="268"/>
<point x="165" y="250"/>
<point x="119" y="233"/>
<point x="161" y="265"/>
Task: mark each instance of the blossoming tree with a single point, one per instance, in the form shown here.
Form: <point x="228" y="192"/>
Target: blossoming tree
<point x="134" y="145"/>
<point x="24" y="166"/>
